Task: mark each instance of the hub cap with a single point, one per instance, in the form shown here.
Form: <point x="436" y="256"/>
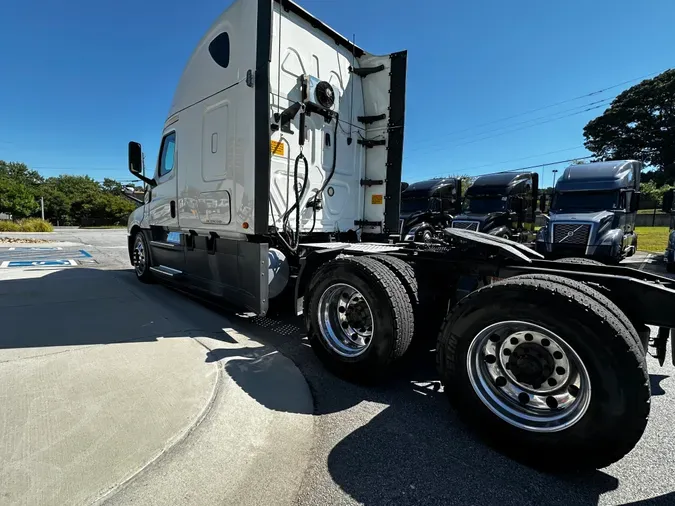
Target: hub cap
<point x="345" y="320"/>
<point x="528" y="376"/>
<point x="139" y="256"/>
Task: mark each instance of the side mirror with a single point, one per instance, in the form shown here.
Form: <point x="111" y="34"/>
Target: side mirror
<point x="634" y="202"/>
<point x="136" y="163"/>
<point x="542" y="203"/>
<point x="135" y="158"/>
<point x="667" y="205"/>
<point x="435" y="204"/>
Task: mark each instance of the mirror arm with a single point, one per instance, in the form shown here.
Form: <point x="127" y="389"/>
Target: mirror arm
<point x="146" y="180"/>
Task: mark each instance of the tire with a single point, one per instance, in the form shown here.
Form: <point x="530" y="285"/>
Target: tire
<point x="142" y="265"/>
<point x="579" y="260"/>
<point x="670" y="267"/>
<point x="406" y="275"/>
<point x="387" y="303"/>
<point x="593" y="293"/>
<point x="602" y="425"/>
<point x="606" y="292"/>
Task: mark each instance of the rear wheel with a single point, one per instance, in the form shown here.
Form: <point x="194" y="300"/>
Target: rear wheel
<point x="359" y="317"/>
<point x="545" y="373"/>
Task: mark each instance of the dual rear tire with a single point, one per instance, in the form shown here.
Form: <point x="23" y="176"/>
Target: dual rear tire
<point x="546" y="369"/>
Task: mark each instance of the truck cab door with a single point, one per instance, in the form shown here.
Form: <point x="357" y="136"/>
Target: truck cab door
<point x="162" y="206"/>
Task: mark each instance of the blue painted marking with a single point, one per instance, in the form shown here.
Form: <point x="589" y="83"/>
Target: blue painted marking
<point x="85" y="254"/>
<point x="43" y="263"/>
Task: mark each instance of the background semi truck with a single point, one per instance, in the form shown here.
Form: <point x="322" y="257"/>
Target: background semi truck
<point x="502" y="204"/>
<point x="278" y="179"/>
<point x="429" y="206"/>
<point x="593" y="212"/>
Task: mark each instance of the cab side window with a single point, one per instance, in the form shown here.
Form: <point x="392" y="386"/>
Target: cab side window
<point x="167" y="158"/>
<point x="446" y="195"/>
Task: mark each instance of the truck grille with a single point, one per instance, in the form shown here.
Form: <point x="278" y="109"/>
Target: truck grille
<point x="466" y="225"/>
<point x="571" y="233"/>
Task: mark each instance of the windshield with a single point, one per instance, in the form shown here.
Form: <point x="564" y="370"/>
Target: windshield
<point x="484" y="205"/>
<point x="585" y="201"/>
<point x="413" y="205"/>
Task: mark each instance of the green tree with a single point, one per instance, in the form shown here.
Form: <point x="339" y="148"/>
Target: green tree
<point x="16" y="198"/>
<point x="466" y="181"/>
<point x="21" y="173"/>
<point x="639" y="124"/>
<point x="111" y="186"/>
<point x="654" y="192"/>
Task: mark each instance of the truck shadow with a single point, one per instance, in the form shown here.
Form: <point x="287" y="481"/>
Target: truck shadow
<point x="415" y="450"/>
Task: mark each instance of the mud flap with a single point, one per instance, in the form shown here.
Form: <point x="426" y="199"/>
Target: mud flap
<point x="660" y="344"/>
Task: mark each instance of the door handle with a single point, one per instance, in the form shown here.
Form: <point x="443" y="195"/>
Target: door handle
<point x="173" y="208"/>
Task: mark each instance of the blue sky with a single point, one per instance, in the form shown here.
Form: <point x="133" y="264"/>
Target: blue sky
<point x="80" y="78"/>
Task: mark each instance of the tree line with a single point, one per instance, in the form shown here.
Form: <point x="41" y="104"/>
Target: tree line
<point x="639" y="124"/>
<point x="68" y="200"/>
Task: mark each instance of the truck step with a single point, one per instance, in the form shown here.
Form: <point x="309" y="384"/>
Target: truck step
<point x="166" y="271"/>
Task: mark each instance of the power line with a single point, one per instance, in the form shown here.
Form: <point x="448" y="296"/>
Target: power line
<point x="542" y="165"/>
<point x="586" y="107"/>
<point x="467" y="169"/>
<point x="447" y="146"/>
<point x="585" y="95"/>
<point x="37" y="167"/>
<point x="548" y="118"/>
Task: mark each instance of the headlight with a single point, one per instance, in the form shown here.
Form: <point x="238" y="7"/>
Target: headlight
<point x="410" y="235"/>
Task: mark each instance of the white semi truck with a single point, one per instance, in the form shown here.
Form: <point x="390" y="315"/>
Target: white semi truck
<point x="278" y="181"/>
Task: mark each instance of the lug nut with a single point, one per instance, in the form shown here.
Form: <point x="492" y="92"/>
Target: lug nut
<point x="573" y="390"/>
<point x="514" y="341"/>
<point x="500" y="382"/>
<point x="507" y="352"/>
<point x="490" y="359"/>
<point x="528" y="337"/>
<point x="494" y="338"/>
<point x="552" y="382"/>
<point x="545" y="342"/>
<point x="557" y="355"/>
<point x="560" y="370"/>
<point x="523" y="398"/>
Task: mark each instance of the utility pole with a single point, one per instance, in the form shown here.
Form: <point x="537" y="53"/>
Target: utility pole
<point x="42" y="204"/>
<point x="555" y="172"/>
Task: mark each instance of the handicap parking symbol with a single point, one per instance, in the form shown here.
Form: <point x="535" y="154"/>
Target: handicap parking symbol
<point x="38" y="263"/>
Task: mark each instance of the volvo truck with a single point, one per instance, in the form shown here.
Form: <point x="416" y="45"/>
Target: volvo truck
<point x="502" y="204"/>
<point x="278" y="180"/>
<point x="593" y="212"/>
<point x="427" y="207"/>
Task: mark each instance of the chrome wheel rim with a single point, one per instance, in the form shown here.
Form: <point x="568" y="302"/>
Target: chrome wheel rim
<point x="139" y="256"/>
<point x="345" y="320"/>
<point x="528" y="376"/>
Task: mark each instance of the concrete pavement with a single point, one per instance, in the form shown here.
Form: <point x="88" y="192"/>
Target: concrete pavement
<point x="114" y="391"/>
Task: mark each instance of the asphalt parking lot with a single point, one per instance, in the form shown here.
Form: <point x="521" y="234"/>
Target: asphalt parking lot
<point x="399" y="443"/>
